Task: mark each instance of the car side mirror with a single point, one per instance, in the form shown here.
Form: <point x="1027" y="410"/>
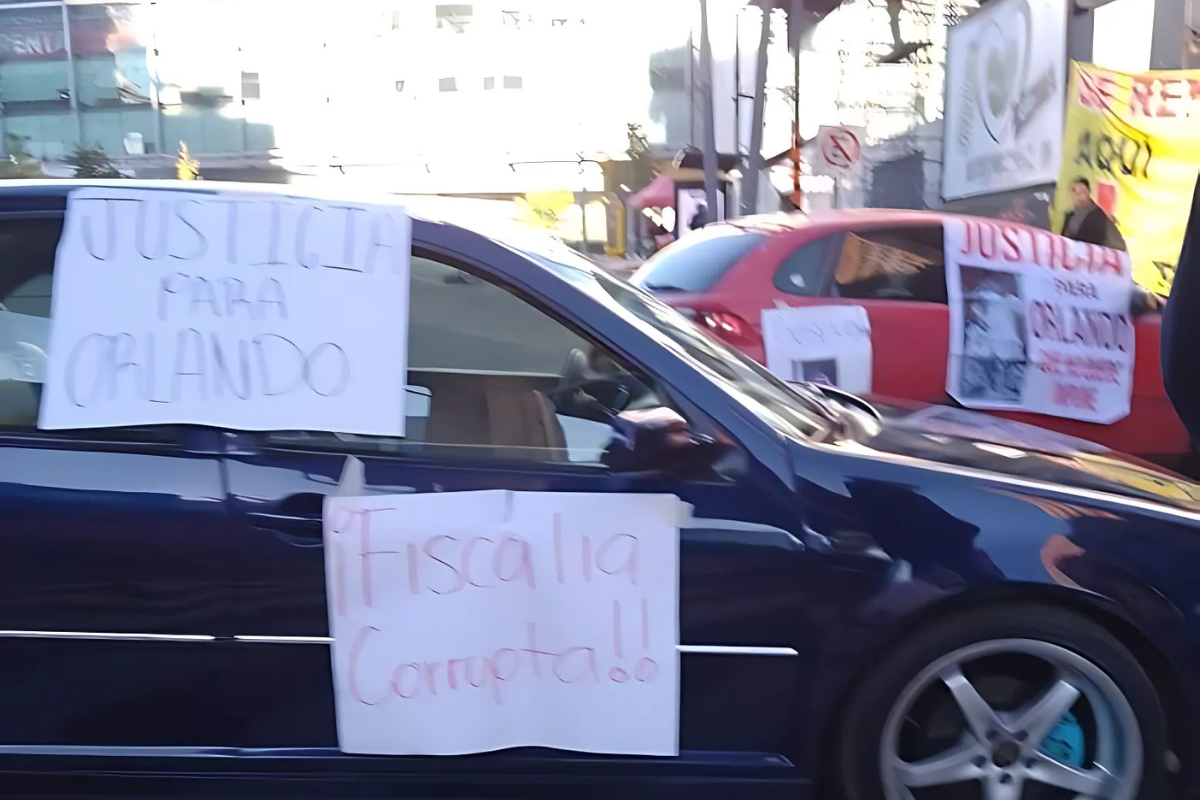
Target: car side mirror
<point x="659" y="439"/>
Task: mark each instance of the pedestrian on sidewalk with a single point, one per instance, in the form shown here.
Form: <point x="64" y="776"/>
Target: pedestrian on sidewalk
<point x="1088" y="222"/>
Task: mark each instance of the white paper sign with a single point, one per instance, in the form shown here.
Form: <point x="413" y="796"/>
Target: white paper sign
<point x="820" y="344"/>
<point x="1038" y="322"/>
<point x="475" y="621"/>
<point x="241" y="311"/>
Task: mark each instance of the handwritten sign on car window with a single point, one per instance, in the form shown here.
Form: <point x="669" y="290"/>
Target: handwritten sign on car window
<point x="242" y="311"/>
<point x="828" y="344"/>
<point x="475" y="621"/>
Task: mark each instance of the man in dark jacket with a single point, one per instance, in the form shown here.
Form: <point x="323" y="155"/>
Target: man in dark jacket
<point x="1180" y="335"/>
<point x="1088" y="222"/>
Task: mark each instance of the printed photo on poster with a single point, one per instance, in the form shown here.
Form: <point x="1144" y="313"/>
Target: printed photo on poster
<point x="994" y="348"/>
<point x="692" y="212"/>
<point x="821" y="370"/>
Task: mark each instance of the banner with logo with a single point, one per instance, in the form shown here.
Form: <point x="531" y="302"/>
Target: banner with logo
<point x="1133" y="137"/>
<point x="1038" y="322"/>
<point x="1004" y="96"/>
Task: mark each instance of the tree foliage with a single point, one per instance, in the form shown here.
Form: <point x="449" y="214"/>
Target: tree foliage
<point x="642" y="162"/>
<point x="18" y="161"/>
<point x="92" y="162"/>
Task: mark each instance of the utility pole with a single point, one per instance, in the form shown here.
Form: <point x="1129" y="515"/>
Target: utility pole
<point x="750" y="185"/>
<point x="797" y="195"/>
<point x="710" y="133"/>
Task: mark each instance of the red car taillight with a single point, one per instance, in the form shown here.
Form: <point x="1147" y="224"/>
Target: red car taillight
<point x="729" y="327"/>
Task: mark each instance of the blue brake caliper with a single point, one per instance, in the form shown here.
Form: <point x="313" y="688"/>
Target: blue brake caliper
<point x="1065" y="742"/>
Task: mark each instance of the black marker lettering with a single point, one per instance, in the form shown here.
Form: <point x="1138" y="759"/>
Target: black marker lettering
<point x="302" y="225"/>
<point x="202" y="294"/>
<point x="185" y="338"/>
<point x="381" y="240"/>
<point x="264" y="365"/>
<point x="122" y="349"/>
<point x="339" y="357"/>
<point x="167" y="285"/>
<point x="231" y="233"/>
<point x="270" y="293"/>
<point x="235" y="296"/>
<point x="273" y="232"/>
<point x="110" y="223"/>
<point x="348" y="240"/>
<point x="222" y="375"/>
<point x="98" y="343"/>
<point x="139" y="238"/>
<point x="201" y="241"/>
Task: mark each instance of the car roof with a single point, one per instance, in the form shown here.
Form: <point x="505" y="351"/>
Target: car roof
<point x="548" y="252"/>
<point x="836" y="218"/>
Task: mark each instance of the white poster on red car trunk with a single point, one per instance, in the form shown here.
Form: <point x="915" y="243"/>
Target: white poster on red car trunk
<point x="828" y="344"/>
<point x="466" y="622"/>
<point x="1038" y="322"/>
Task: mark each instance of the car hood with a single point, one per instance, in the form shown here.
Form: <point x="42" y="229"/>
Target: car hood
<point x="957" y="438"/>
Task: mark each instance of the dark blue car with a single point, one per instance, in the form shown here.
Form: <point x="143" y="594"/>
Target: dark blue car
<point x="876" y="601"/>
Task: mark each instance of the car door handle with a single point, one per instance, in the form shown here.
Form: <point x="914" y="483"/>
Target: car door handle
<point x="284" y="522"/>
<point x="298" y="531"/>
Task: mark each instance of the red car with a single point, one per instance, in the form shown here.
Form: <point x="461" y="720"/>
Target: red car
<point x="726" y="274"/>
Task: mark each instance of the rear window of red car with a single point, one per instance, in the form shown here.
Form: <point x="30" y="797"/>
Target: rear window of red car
<point x="698" y="260"/>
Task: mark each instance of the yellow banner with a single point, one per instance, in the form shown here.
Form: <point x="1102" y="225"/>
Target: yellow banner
<point x="1136" y="139"/>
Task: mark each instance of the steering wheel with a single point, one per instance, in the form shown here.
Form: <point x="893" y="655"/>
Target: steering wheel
<point x="576" y="374"/>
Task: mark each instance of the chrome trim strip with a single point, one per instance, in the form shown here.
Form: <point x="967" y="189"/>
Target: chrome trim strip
<point x="1009" y="480"/>
<point x="726" y="650"/>
<point x="706" y="649"/>
<point x="84" y="750"/>
<point x="119" y="637"/>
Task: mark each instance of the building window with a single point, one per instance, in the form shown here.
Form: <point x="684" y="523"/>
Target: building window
<point x="456" y="17"/>
<point x="250" y="88"/>
<point x="489" y="83"/>
<point x="447" y="85"/>
<point x="512" y="82"/>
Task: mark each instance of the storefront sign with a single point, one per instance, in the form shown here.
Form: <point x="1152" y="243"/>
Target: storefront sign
<point x="1004" y="97"/>
<point x="1038" y="323"/>
<point x="474" y="621"/>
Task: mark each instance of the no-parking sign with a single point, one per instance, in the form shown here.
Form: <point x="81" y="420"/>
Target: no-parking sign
<point x="840" y="149"/>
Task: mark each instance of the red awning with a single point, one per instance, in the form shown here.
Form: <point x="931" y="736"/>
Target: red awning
<point x="660" y="193"/>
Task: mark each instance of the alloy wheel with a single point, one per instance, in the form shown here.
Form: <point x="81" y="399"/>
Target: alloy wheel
<point x="1018" y="718"/>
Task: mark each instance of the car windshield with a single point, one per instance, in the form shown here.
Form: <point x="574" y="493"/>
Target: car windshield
<point x="696" y="262"/>
<point x="788" y="411"/>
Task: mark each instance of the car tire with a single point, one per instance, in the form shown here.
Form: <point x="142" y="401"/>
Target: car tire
<point x="881" y="729"/>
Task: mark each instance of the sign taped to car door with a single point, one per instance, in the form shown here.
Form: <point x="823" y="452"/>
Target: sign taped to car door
<point x="467" y="622"/>
<point x="1038" y="322"/>
<point x="247" y="311"/>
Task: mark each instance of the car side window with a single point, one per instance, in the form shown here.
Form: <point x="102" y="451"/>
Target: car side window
<point x="27" y="250"/>
<point x="803" y="271"/>
<point x="902" y="263"/>
<point x="490" y="375"/>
